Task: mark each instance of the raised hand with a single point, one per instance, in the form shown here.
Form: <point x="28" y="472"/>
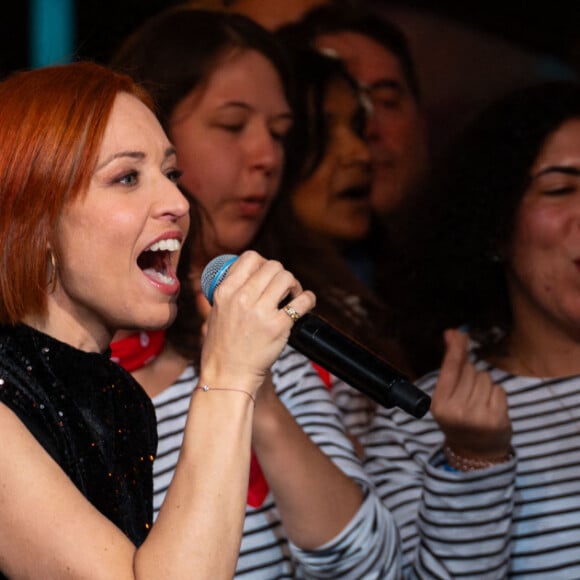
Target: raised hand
<point x="246" y="330"/>
<point x="471" y="410"/>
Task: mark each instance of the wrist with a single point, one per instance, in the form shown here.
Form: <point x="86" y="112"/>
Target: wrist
<point x="226" y="375"/>
<point x="462" y="462"/>
<point x="206" y="388"/>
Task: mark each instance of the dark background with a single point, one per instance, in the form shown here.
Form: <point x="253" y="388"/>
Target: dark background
<point x="467" y="53"/>
<point x="548" y="27"/>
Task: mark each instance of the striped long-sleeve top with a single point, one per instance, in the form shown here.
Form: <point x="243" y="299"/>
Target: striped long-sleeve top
<point x="368" y="547"/>
<point x="519" y="519"/>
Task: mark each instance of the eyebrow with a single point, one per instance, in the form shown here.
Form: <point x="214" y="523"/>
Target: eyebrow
<point x="566" y="170"/>
<point x="383" y="84"/>
<point x="139" y="155"/>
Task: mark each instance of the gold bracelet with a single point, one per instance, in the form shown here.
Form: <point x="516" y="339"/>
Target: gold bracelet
<point x="206" y="388"/>
<point x="463" y="463"/>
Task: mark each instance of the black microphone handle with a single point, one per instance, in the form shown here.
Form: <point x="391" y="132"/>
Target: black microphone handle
<point x="355" y="365"/>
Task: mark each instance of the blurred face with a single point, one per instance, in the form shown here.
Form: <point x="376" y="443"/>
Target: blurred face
<point x="395" y="131"/>
<point x="334" y="200"/>
<point x="119" y="244"/>
<point x="229" y="137"/>
<point x="544" y="255"/>
<point x="273" y="15"/>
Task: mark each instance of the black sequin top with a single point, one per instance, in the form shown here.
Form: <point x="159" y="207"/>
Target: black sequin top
<point x="92" y="417"/>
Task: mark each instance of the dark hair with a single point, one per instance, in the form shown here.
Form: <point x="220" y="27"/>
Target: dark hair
<point x="172" y="54"/>
<point x="178" y="49"/>
<point x="448" y="271"/>
<point x="332" y="19"/>
<point x="341" y="298"/>
<point x="307" y="141"/>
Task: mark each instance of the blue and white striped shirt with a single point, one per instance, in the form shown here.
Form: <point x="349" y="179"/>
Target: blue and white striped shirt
<point x="368" y="547"/>
<point x="519" y="519"/>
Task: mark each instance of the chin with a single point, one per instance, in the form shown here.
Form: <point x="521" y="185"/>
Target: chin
<point x="357" y="234"/>
<point x="158" y="320"/>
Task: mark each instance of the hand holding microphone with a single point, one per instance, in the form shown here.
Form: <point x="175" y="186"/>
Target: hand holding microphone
<point x="246" y="331"/>
<point x="342" y="356"/>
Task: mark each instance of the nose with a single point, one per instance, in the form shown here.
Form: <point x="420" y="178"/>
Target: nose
<point x="264" y="151"/>
<point x="172" y="204"/>
<point x="357" y="151"/>
<point x="372" y="129"/>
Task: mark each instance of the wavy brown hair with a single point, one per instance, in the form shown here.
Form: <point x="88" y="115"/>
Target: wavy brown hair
<point x="448" y="272"/>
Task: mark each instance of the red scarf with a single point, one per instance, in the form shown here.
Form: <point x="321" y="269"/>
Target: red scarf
<point x="139" y="349"/>
<point x="258" y="489"/>
<point x="324" y="375"/>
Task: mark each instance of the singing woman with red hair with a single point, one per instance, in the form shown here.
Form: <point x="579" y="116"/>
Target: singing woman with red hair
<point x="91" y="227"/>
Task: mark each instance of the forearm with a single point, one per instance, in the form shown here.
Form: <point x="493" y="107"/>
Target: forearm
<point x="315" y="499"/>
<point x="199" y="527"/>
<point x="469" y="514"/>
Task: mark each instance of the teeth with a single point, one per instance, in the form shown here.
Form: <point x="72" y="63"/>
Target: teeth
<point x="163" y="278"/>
<point x="171" y="245"/>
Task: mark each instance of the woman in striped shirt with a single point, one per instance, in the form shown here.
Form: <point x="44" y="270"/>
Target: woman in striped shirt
<point x="487" y="486"/>
<point x="223" y="91"/>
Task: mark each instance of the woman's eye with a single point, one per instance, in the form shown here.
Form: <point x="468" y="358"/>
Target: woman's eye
<point x="560" y="190"/>
<point x="279" y="131"/>
<point x="174" y="175"/>
<point x="387" y="104"/>
<point x="233" y="128"/>
<point x="128" y="178"/>
<point x="278" y="135"/>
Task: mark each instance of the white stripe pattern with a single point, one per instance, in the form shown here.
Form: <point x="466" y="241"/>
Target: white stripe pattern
<point x="520" y="519"/>
<point x="367" y="548"/>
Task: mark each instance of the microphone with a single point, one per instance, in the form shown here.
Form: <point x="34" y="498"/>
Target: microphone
<point x="339" y="354"/>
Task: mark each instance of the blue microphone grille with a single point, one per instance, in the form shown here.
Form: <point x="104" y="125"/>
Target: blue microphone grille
<point x="214" y="273"/>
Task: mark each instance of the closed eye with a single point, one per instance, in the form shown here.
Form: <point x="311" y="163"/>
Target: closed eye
<point x="280" y="127"/>
<point x="560" y="191"/>
<point x="237" y="128"/>
<point x="278" y="135"/>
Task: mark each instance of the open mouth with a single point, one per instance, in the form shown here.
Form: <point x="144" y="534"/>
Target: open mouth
<point x="356" y="193"/>
<point x="156" y="261"/>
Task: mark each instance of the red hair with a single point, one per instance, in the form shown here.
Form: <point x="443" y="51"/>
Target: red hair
<point x="52" y="122"/>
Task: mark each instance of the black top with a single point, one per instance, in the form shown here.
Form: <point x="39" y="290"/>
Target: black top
<point x="90" y="415"/>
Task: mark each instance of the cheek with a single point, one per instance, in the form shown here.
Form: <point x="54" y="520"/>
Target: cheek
<point x="79" y="259"/>
<point x="205" y="182"/>
<point x="96" y="229"/>
<point x="82" y="225"/>
<point x="402" y="131"/>
<point x="537" y="245"/>
<point x="309" y="198"/>
<point x="538" y="229"/>
<point x="279" y="164"/>
<point x="210" y="172"/>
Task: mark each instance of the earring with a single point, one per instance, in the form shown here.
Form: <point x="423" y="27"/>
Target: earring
<point x="53" y="276"/>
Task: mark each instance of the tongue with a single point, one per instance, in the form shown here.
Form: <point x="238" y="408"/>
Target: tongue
<point x="159" y="276"/>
